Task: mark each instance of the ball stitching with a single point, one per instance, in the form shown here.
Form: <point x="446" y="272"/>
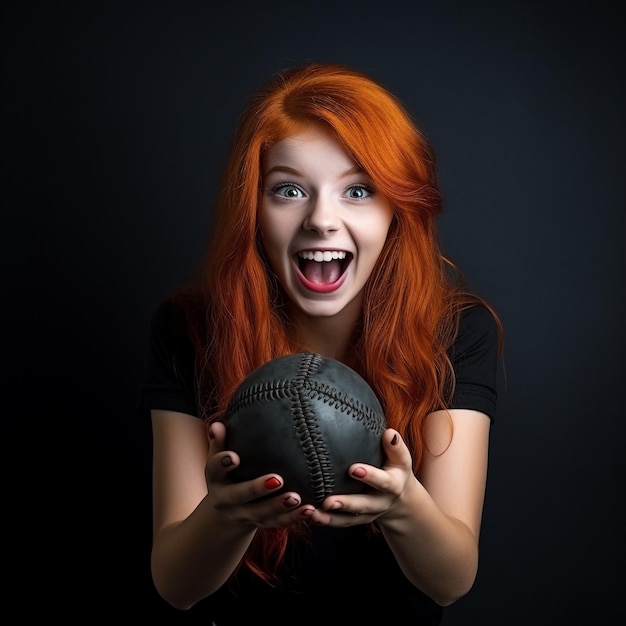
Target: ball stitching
<point x="302" y="390"/>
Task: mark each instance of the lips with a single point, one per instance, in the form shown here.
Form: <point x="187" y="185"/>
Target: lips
<point x="322" y="271"/>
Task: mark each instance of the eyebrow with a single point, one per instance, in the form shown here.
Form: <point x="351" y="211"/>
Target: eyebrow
<point x="290" y="170"/>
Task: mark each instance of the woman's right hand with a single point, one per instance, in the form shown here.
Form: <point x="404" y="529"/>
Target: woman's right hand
<point x="251" y="501"/>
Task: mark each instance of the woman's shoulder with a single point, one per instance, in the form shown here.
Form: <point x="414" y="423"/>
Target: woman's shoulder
<point x="173" y="328"/>
<point x="169" y="380"/>
<point x="474" y="357"/>
<point x="167" y="323"/>
<point x="478" y="327"/>
<point x="176" y="314"/>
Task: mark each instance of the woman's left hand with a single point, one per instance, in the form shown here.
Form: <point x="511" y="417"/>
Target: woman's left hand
<point x="385" y="484"/>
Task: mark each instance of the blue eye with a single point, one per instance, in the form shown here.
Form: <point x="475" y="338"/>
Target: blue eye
<point x="287" y="190"/>
<point x="358" y="192"/>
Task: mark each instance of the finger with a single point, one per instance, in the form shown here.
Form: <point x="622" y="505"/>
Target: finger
<point x="217" y="434"/>
<point x="271" y="511"/>
<point x="340" y="518"/>
<point x="280" y="512"/>
<point x="396" y="455"/>
<point x="396" y="451"/>
<point x="352" y="504"/>
<point x="262" y="488"/>
<point x="218" y="467"/>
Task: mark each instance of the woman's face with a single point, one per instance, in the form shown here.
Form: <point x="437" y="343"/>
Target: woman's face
<point x="322" y="223"/>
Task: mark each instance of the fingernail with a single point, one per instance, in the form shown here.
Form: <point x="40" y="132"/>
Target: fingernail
<point x="394" y="440"/>
<point x="335" y="506"/>
<point x="227" y="461"/>
<point x="289" y="502"/>
<point x="272" y="483"/>
<point x="359" y="472"/>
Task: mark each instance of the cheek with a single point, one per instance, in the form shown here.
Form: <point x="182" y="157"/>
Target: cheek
<point x="278" y="228"/>
<point x="376" y="233"/>
<point x="272" y="242"/>
<point x="266" y="229"/>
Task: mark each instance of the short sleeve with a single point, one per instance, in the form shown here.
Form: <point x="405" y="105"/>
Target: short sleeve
<point x="169" y="379"/>
<point x="474" y="357"/>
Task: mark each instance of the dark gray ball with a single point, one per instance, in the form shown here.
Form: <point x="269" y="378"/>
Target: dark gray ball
<point x="308" y="418"/>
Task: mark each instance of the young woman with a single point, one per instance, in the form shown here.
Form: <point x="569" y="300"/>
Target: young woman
<point x="325" y="240"/>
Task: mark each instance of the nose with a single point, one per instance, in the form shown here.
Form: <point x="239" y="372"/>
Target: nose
<point x="321" y="217"/>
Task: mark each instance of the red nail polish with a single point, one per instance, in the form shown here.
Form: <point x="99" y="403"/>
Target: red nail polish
<point x="272" y="483"/>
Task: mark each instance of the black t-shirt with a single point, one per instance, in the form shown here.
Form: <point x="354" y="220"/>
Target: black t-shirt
<point x="348" y="571"/>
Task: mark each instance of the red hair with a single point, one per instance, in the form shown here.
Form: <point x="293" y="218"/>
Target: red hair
<point x="412" y="300"/>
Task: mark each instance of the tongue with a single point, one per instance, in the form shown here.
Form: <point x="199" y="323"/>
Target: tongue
<point x="321" y="273"/>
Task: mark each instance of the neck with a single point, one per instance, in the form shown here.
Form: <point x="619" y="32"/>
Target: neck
<point x="329" y="336"/>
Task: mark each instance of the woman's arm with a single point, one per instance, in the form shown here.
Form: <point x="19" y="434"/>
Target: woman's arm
<point x="195" y="547"/>
<point x="431" y="524"/>
<point x="203" y="522"/>
<point x="433" y="527"/>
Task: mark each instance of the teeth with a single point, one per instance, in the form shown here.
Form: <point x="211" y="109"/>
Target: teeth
<point x="319" y="256"/>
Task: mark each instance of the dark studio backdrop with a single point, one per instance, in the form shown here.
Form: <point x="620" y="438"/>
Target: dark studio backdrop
<point x="118" y="117"/>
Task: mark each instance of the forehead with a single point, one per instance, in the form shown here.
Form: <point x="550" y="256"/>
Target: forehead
<point x="313" y="147"/>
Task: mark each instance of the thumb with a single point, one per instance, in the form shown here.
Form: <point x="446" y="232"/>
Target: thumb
<point x="396" y="451"/>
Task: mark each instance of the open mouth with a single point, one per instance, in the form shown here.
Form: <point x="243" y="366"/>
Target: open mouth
<point x="323" y="267"/>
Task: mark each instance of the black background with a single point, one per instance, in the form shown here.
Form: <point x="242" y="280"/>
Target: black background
<point x="118" y="117"/>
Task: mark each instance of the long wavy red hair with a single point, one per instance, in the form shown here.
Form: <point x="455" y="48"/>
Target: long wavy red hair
<point x="412" y="301"/>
